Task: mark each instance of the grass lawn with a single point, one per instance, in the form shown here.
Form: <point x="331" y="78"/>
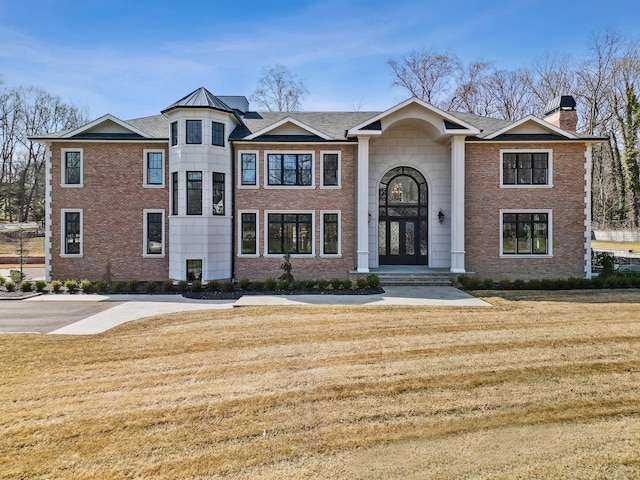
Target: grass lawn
<point x="541" y="385"/>
<point x="32" y="246"/>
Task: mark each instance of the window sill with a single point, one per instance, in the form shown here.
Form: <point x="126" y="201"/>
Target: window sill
<point x="330" y="255"/>
<point x="72" y="185"/>
<point x="526" y="186"/>
<point x="72" y="255"/>
<point x="153" y="255"/>
<point x="293" y="255"/>
<point x="148" y="185"/>
<point x="525" y="255"/>
<point x="330" y="187"/>
<point x="291" y="187"/>
<point x="248" y="255"/>
<point x="249" y="187"/>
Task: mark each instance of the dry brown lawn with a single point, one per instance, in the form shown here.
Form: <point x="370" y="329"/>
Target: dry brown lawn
<point x="32" y="246"/>
<point x="541" y="385"/>
<point x="633" y="246"/>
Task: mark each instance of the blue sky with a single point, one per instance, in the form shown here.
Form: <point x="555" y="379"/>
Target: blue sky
<point x="132" y="58"/>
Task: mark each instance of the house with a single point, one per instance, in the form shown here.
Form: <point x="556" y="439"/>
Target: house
<point x="209" y="189"/>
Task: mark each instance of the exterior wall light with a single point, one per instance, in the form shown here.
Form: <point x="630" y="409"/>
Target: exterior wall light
<point x="440" y="217"/>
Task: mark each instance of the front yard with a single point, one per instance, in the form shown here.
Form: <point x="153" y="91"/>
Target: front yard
<point x="541" y="385"/>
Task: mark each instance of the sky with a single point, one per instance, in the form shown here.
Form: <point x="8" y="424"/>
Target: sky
<point x="133" y="58"/>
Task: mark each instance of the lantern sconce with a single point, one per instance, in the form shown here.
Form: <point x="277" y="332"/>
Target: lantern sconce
<point x="369" y="220"/>
<point x="440" y="217"/>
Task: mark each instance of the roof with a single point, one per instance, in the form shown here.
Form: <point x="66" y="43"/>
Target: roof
<point x="200" y="98"/>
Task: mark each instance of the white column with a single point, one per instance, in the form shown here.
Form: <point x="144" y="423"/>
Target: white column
<point x="363" y="205"/>
<point x="457" y="204"/>
<point x="587" y="210"/>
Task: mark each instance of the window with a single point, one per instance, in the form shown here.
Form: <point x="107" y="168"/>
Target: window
<point x="194" y="131"/>
<point x="174" y="134"/>
<point x="526" y="168"/>
<point x="290" y="233"/>
<point x="526" y="233"/>
<point x="330" y="233"/>
<point x="153" y="168"/>
<point x="194" y="270"/>
<point x="194" y="193"/>
<point x="174" y="193"/>
<point x="218" y="194"/>
<point x="248" y="233"/>
<point x="289" y="169"/>
<point x="71" y="233"/>
<point x="331" y="169"/>
<point x="248" y="168"/>
<point x="153" y="233"/>
<point x="71" y="167"/>
<point x="217" y="134"/>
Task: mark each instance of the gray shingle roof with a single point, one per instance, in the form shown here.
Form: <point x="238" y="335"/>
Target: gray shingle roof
<point x="200" y="98"/>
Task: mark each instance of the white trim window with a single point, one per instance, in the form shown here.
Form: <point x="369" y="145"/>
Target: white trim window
<point x="153" y="168"/>
<point x="289" y="170"/>
<point x="71" y="237"/>
<point x="330" y="167"/>
<point x="526" y="233"/>
<point x="331" y="233"/>
<point x="532" y="168"/>
<point x="248" y="233"/>
<point x="290" y="232"/>
<point x="71" y="167"/>
<point x="247" y="169"/>
<point x="153" y="239"/>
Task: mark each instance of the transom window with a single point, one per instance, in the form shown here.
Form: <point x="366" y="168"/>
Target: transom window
<point x="289" y="169"/>
<point x="290" y="233"/>
<point x="217" y="134"/>
<point x="525" y="234"/>
<point x="194" y="131"/>
<point x="525" y="168"/>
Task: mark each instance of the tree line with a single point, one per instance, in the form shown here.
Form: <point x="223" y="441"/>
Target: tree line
<point x="605" y="84"/>
<point x="27" y="111"/>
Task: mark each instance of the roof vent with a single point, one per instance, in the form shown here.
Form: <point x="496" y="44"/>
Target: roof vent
<point x="563" y="102"/>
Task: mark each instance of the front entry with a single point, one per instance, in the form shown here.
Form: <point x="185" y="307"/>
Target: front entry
<point x="402" y="216"/>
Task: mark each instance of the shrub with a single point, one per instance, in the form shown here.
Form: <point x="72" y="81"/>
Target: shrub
<point x="469" y="282"/>
<point x="347" y="284"/>
<point x="309" y="284"/>
<point x="270" y="284"/>
<point x="86" y="286"/>
<point x="519" y="284"/>
<point x="40" y="285"/>
<point x="336" y="283"/>
<point x="101" y="286"/>
<point x="2" y="280"/>
<point x="244" y="283"/>
<point x="26" y="286"/>
<point x="167" y="285"/>
<point x="132" y="285"/>
<point x="213" y="285"/>
<point x="296" y="285"/>
<point x="228" y="286"/>
<point x="488" y="283"/>
<point x="373" y="280"/>
<point x="151" y="286"/>
<point x="286" y="268"/>
<point x="71" y="285"/>
<point x="117" y="285"/>
<point x="257" y="286"/>
<point x="56" y="285"/>
<point x="505" y="284"/>
<point x="183" y="285"/>
<point x="196" y="286"/>
<point x="362" y="283"/>
<point x="17" y="276"/>
<point x="323" y="284"/>
<point x="282" y="285"/>
<point x="607" y="263"/>
<point x="535" y="284"/>
<point x="10" y="286"/>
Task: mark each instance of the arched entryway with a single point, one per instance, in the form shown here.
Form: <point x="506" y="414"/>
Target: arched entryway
<point x="403" y="218"/>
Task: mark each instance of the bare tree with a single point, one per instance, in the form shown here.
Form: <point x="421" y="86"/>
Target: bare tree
<point x="550" y="77"/>
<point x="427" y="75"/>
<point x="279" y="90"/>
<point x="510" y="94"/>
<point x="472" y="93"/>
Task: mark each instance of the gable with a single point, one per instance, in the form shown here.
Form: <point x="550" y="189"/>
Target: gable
<point x="289" y="127"/>
<point x="531" y="125"/>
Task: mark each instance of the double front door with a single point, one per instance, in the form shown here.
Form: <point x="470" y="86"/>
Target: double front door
<point x="402" y="217"/>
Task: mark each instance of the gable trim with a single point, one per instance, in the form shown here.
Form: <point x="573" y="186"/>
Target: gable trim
<point x="536" y="120"/>
<point x="284" y="121"/>
<point x="105" y="118"/>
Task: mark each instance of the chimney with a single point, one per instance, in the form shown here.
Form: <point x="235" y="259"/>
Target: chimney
<point x="561" y="112"/>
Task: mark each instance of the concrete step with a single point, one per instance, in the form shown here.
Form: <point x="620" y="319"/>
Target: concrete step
<point x="426" y="279"/>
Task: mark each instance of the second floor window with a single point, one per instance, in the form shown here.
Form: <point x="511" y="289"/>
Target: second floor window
<point x="154" y="168"/>
<point x="526" y="168"/>
<point x="174" y="134"/>
<point x="72" y="168"/>
<point x="194" y="131"/>
<point x="289" y="168"/>
<point x="248" y="169"/>
<point x="217" y="134"/>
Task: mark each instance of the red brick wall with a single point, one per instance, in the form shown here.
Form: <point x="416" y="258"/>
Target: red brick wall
<point x="484" y="198"/>
<point x="314" y="267"/>
<point x="113" y="201"/>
